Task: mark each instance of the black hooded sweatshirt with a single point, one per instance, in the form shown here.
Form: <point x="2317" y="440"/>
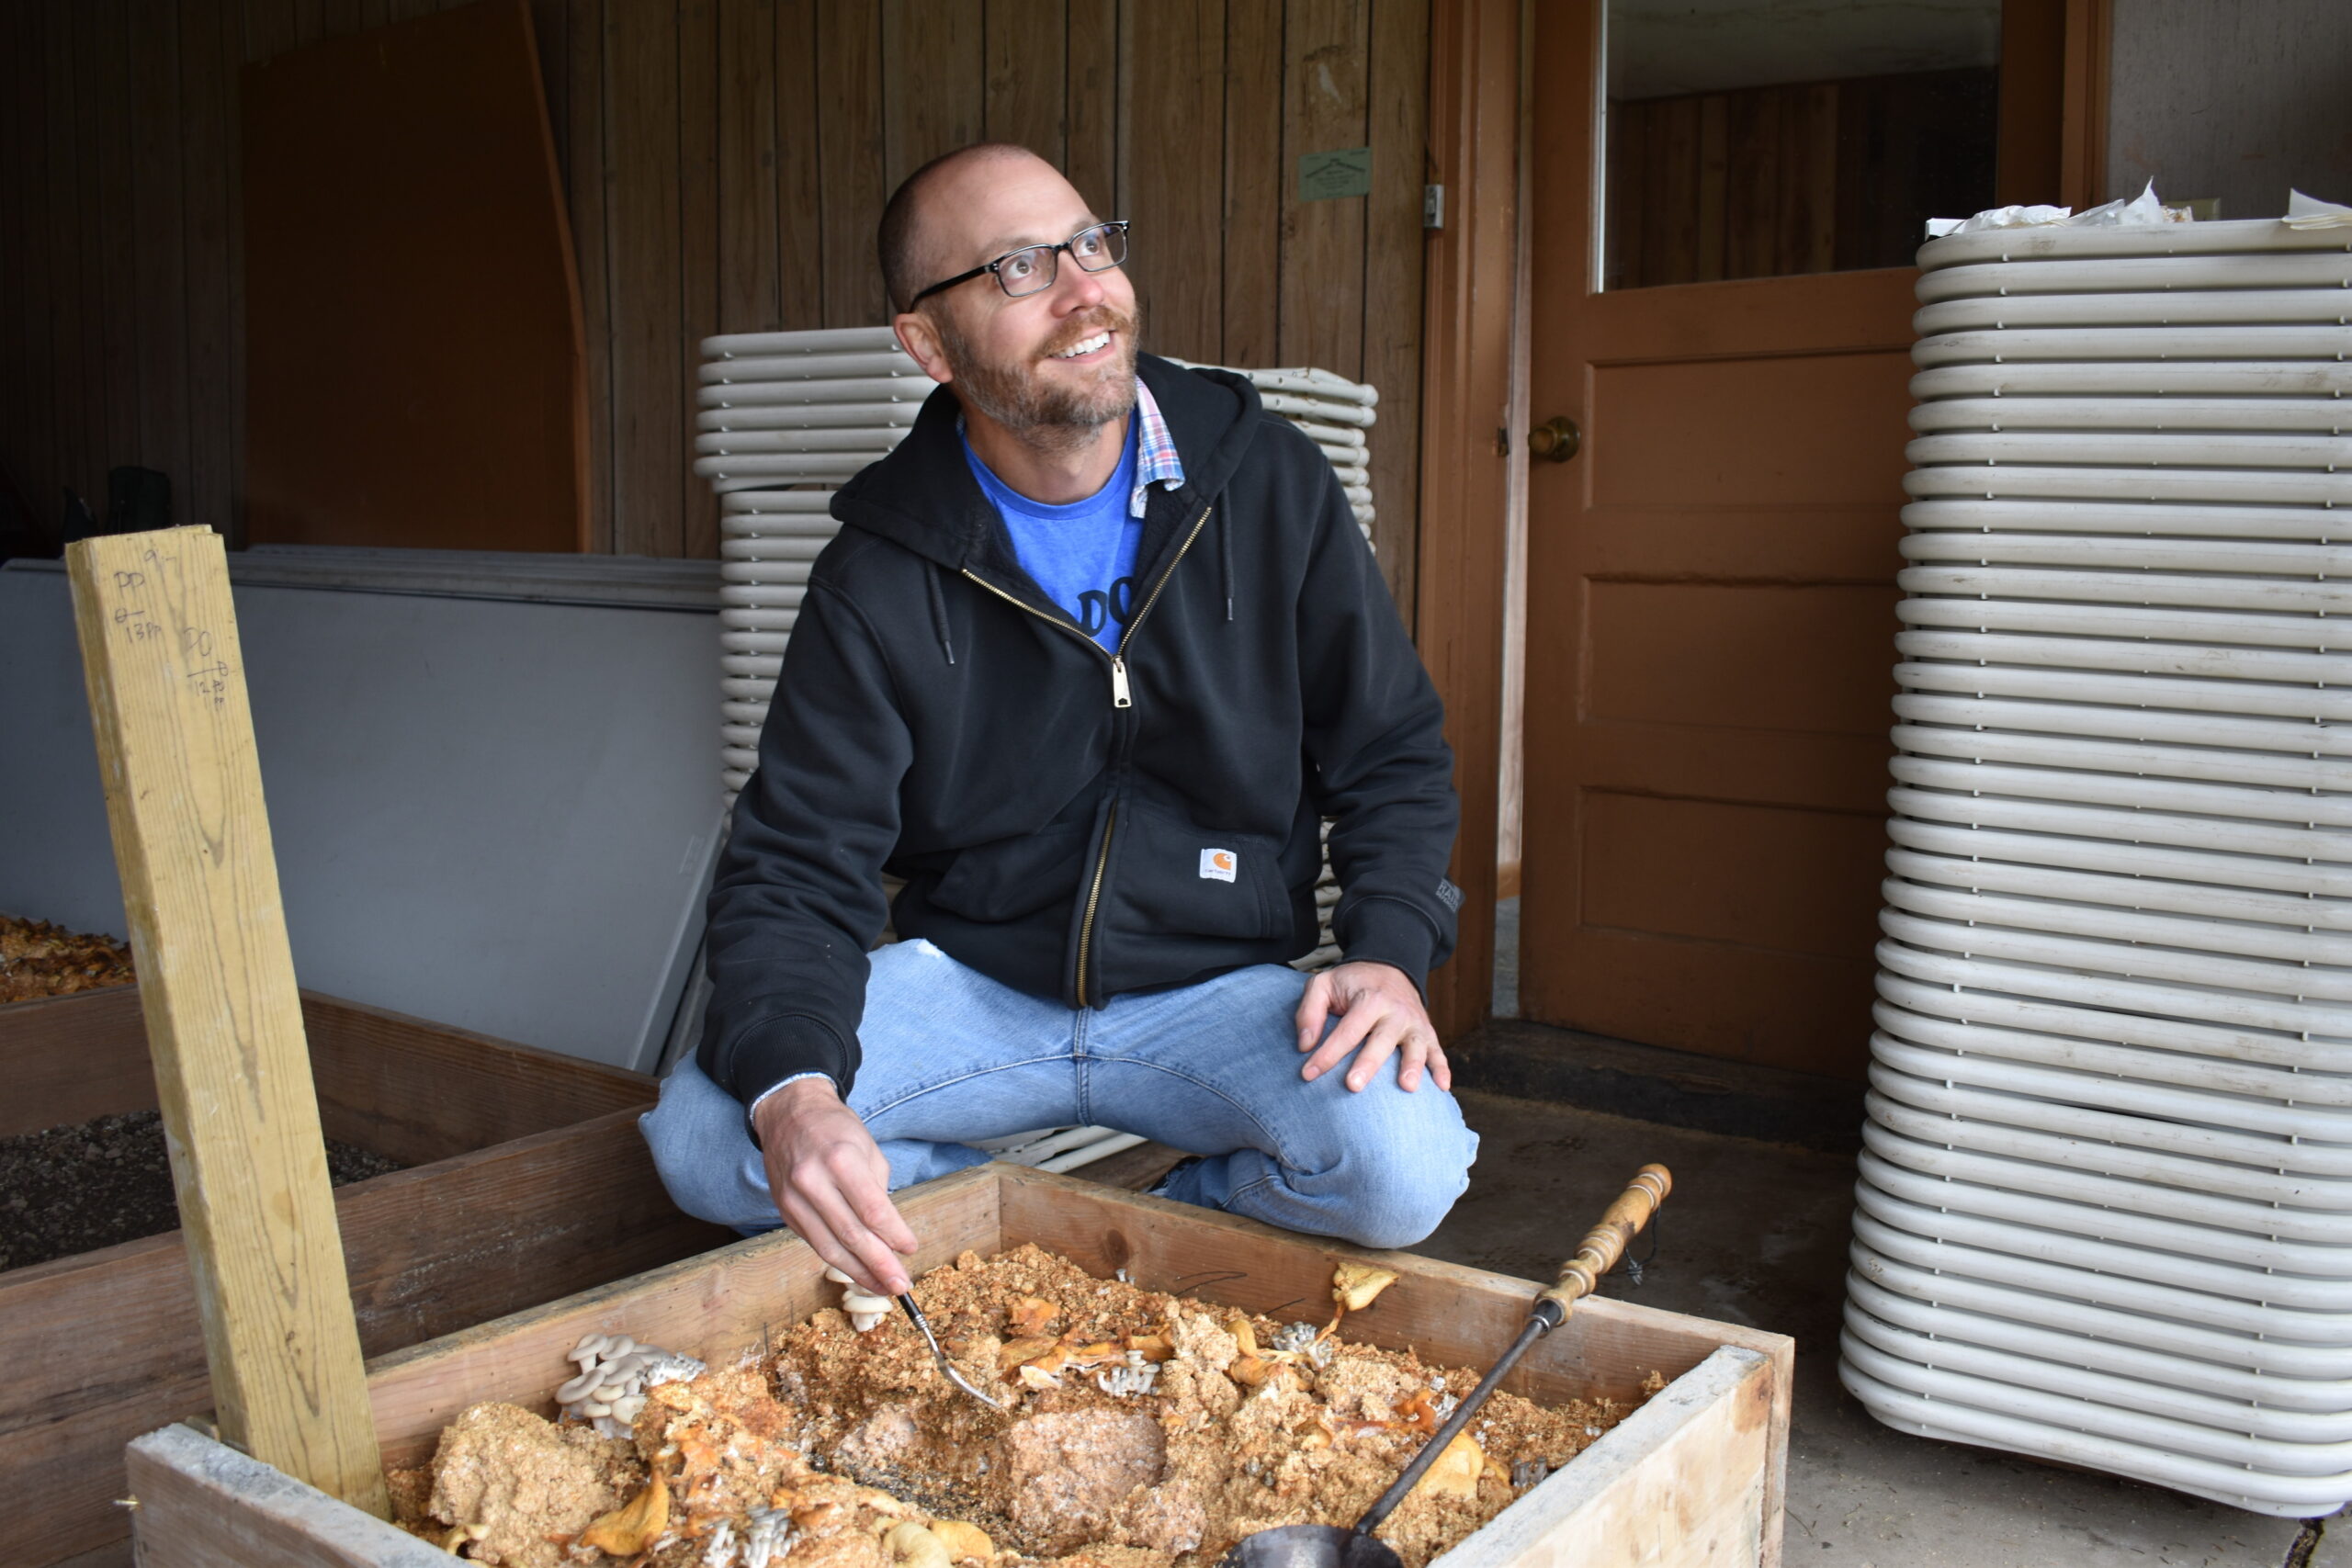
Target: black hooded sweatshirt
<point x="1073" y="822"/>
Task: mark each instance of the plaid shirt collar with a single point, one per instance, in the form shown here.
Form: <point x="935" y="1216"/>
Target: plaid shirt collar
<point x="1156" y="459"/>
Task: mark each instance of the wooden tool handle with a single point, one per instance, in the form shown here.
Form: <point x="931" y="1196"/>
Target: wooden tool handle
<point x="1605" y="1243"/>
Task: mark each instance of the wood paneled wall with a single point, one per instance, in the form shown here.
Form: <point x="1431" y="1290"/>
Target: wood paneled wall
<point x="724" y="161"/>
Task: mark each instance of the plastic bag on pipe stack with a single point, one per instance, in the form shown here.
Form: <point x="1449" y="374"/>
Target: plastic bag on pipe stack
<point x="2310" y="212"/>
<point x="2143" y="211"/>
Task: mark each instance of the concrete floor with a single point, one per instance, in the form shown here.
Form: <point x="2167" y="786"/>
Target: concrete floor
<point x="1756" y="1234"/>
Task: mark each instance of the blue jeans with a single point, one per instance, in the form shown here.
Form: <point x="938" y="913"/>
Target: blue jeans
<point x="951" y="1055"/>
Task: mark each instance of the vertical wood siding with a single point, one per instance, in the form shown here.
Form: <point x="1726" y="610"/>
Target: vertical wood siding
<point x="724" y="161"/>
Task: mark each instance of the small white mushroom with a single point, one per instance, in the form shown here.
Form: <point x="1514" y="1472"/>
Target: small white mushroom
<point x="854" y="1300"/>
<point x="720" y="1552"/>
<point x="864" y="1322"/>
<point x="837" y="1277"/>
<point x="580" y="1388"/>
<point x="595" y="1407"/>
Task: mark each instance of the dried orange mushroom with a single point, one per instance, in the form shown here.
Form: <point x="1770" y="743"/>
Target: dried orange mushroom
<point x="1456" y="1472"/>
<point x="964" y="1542"/>
<point x="635" y="1527"/>
<point x="1032" y="1315"/>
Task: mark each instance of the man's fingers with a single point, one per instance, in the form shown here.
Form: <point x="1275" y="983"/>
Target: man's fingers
<point x="809" y="1227"/>
<point x="1378" y="1047"/>
<point x="876" y="1261"/>
<point x="870" y="1199"/>
<point x="1345" y="1036"/>
<point x="1314" y="1009"/>
<point x="1441" y="1070"/>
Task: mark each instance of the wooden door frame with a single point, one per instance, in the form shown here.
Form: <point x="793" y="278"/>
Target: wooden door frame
<point x="1471" y="334"/>
<point x="1467" y="343"/>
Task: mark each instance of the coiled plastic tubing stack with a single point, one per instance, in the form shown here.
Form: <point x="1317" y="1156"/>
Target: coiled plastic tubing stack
<point x="2105" y="1213"/>
<point x="785" y="418"/>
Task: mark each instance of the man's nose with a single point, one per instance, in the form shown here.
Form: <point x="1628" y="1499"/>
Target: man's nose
<point x="1080" y="289"/>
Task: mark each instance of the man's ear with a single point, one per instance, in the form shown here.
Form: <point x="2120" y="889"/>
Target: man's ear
<point x="921" y="341"/>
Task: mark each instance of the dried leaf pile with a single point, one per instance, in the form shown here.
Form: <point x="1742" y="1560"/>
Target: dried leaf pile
<point x="38" y="959"/>
<point x="1147" y="1431"/>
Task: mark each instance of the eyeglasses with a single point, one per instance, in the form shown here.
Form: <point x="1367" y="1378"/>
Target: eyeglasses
<point x="1032" y="269"/>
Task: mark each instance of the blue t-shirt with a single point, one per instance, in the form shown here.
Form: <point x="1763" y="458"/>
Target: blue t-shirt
<point x="1082" y="555"/>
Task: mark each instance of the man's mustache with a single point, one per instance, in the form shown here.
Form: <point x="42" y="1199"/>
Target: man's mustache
<point x="1103" y="319"/>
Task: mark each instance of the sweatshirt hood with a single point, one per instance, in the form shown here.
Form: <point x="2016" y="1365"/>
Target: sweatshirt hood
<point x="922" y="497"/>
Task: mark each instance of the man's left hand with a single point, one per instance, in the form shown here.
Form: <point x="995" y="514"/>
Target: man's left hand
<point x="1380" y="1014"/>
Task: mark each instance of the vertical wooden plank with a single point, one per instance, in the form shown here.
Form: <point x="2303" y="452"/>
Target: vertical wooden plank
<point x="67" y="353"/>
<point x="208" y="74"/>
<point x="1678" y="191"/>
<point x="931" y="83"/>
<point x="850" y="159"/>
<point x="648" y="295"/>
<point x="224" y="1022"/>
<point x="1171" y="87"/>
<point x="338" y="19"/>
<point x="1821" y="177"/>
<point x="1027" y="89"/>
<point x="551" y="34"/>
<point x="1091" y="122"/>
<point x="1753" y="179"/>
<point x="35" y="450"/>
<point x="749" y="66"/>
<point x="800" y="232"/>
<point x="1395" y="247"/>
<point x="270" y="28"/>
<point x="1325" y="50"/>
<point x="1714" y="155"/>
<point x="698" y="110"/>
<point x="1253" y="184"/>
<point x="584" y="185"/>
<point x="90" y="107"/>
<point x="1459" y="600"/>
<point x="158" y="246"/>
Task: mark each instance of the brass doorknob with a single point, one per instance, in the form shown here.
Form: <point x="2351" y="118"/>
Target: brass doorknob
<point x="1556" y="438"/>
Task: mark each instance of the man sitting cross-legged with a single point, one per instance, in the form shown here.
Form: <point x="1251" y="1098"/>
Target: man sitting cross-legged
<point x="1098" y="646"/>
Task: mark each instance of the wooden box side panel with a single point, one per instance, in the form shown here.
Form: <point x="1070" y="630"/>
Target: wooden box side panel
<point x="203" y="1504"/>
<point x="1680" y="1484"/>
<point x="403" y="1086"/>
<point x="715" y="1307"/>
<point x="421" y="1091"/>
<point x="71" y="1059"/>
<point x="428" y="1251"/>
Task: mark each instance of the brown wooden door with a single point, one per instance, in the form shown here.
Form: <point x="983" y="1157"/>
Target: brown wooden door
<point x="1711" y="587"/>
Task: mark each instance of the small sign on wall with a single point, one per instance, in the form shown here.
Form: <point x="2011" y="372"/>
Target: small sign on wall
<point x="1327" y="176"/>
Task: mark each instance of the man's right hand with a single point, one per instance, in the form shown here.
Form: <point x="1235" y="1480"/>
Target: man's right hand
<point x="832" y="1184"/>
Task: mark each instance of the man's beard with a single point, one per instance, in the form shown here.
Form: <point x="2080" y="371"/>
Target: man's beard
<point x="1049" y="414"/>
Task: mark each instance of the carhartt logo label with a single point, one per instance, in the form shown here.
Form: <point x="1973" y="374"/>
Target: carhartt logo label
<point x="1218" y="865"/>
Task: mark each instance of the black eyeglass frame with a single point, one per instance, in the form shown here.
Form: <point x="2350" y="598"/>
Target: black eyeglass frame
<point x="1117" y="226"/>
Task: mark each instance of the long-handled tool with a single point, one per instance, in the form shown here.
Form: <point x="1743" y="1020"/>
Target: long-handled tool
<point x="1338" y="1546"/>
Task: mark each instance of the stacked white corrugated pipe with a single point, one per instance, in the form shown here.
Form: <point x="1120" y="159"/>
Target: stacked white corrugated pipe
<point x="2105" y="1214"/>
<point x="786" y="418"/>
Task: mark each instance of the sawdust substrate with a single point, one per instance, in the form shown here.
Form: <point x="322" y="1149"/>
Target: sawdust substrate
<point x="37" y="960"/>
<point x="852" y="1431"/>
<point x="76" y="1189"/>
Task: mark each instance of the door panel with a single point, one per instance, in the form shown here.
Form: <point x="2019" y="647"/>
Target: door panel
<point x="1710" y="580"/>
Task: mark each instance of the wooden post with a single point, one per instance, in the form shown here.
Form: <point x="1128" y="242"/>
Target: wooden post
<point x="224" y="1022"/>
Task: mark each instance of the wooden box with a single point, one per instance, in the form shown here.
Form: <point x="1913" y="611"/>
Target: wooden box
<point x="527" y="1182"/>
<point x="1691" y="1480"/>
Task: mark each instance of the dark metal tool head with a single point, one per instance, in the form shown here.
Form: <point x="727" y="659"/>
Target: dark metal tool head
<point x="1312" y="1546"/>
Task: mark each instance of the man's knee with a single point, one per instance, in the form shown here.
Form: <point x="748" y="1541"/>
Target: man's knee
<point x="696" y="1137"/>
<point x="1403" y="1175"/>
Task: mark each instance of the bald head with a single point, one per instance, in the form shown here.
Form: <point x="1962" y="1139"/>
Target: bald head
<point x="914" y="242"/>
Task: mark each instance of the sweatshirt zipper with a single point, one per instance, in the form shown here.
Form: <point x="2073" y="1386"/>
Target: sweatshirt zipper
<point x="1121" y="697"/>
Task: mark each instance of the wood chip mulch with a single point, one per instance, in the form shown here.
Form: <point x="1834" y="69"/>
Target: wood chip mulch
<point x="38" y="959"/>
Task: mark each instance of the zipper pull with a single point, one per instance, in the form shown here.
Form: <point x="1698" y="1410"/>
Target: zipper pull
<point x="1119" y="694"/>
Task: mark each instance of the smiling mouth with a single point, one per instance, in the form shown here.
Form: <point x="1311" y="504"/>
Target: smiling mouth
<point x="1084" y="346"/>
